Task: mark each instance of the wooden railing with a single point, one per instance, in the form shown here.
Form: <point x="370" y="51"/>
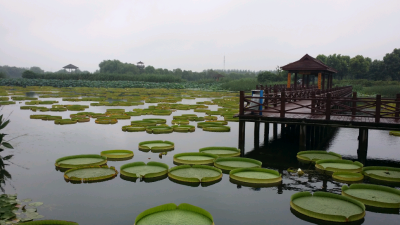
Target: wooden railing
<point x="339" y="101"/>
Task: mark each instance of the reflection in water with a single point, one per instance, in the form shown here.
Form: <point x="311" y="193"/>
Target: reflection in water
<point x="146" y="180"/>
<point x="321" y="222"/>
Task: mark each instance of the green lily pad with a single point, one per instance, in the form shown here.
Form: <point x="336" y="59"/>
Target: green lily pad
<point x="195" y="173"/>
<point x="27" y="200"/>
<point x="36" y="204"/>
<point x="140" y="169"/>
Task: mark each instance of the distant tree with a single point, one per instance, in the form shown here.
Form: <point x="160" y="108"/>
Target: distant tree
<point x="3" y="75"/>
<point x="178" y="72"/>
<point x="377" y="70"/>
<point x="322" y="58"/>
<point x="392" y="64"/>
<point x="36" y="69"/>
<point x="268" y="76"/>
<point x="29" y="74"/>
<point x="149" y="70"/>
<point x="159" y="71"/>
<point x="359" y="67"/>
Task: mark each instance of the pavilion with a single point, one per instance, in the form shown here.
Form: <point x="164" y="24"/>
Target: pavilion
<point x="217" y="76"/>
<point x="309" y="66"/>
<point x="70" y="67"/>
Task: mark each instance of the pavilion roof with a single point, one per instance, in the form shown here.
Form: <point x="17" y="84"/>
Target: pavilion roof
<point x="70" y="66"/>
<point x="140" y="62"/>
<point x="308" y="63"/>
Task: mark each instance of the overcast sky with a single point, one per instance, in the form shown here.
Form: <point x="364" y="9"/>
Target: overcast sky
<point x="193" y="35"/>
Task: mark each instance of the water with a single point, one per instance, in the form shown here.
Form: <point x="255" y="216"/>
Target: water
<point x="119" y="201"/>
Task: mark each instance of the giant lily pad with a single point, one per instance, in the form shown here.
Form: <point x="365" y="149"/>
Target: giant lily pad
<point x="373" y="195"/>
<point x="230" y="163"/>
<point x="221" y="151"/>
<point x="184" y="128"/>
<point x="51" y="222"/>
<point x="216" y="128"/>
<point x="140" y="169"/>
<point x="329" y="166"/>
<point x="117" y="154"/>
<point x="173" y="214"/>
<point x="328" y="206"/>
<point x="313" y="156"/>
<point x="256" y="176"/>
<point x="383" y="173"/>
<point x="156" y="146"/>
<point x="156" y="120"/>
<point x="90" y="174"/>
<point x="347" y="177"/>
<point x="74" y="161"/>
<point x="394" y="133"/>
<point x="195" y="173"/>
<point x="194" y="158"/>
<point x="159" y="129"/>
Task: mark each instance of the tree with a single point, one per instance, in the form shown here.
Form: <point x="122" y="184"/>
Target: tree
<point x="322" y="58"/>
<point x="268" y="76"/>
<point x="392" y="64"/>
<point x="359" y="67"/>
<point x="36" y="69"/>
<point x="377" y="70"/>
<point x="29" y="74"/>
<point x="178" y="72"/>
<point x="3" y="75"/>
<point x="149" y="70"/>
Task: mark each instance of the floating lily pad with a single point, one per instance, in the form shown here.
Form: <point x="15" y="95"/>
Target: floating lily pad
<point x="394" y="133"/>
<point x="216" y="128"/>
<point x="184" y="128"/>
<point x="142" y="123"/>
<point x="117" y="154"/>
<point x="65" y="121"/>
<point x="313" y="156"/>
<point x="35" y="204"/>
<point x="373" y="195"/>
<point x="383" y="173"/>
<point x="50" y="222"/>
<point x="106" y="120"/>
<point x="90" y="174"/>
<point x="329" y="166"/>
<point x="221" y="151"/>
<point x="172" y="214"/>
<point x="180" y="122"/>
<point x="328" y="206"/>
<point x="156" y="120"/>
<point x="195" y="173"/>
<point x="159" y="129"/>
<point x="156" y="146"/>
<point x="230" y="163"/>
<point x="256" y="175"/>
<point x="140" y="169"/>
<point x="194" y="158"/>
<point x="347" y="177"/>
<point x="74" y="161"/>
<point x="131" y="128"/>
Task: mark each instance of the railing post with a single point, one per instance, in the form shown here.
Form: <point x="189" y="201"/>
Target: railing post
<point x="397" y="113"/>
<point x="241" y="106"/>
<point x="354" y="104"/>
<point x="378" y="108"/>
<point x="328" y="106"/>
<point x="313" y="102"/>
<point x="283" y="101"/>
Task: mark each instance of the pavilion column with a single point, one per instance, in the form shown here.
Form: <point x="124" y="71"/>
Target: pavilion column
<point x="295" y="80"/>
<point x="289" y="77"/>
<point x="303" y="80"/>
<point x="323" y="81"/>
<point x="308" y="80"/>
<point x="331" y="80"/>
<point x="319" y="81"/>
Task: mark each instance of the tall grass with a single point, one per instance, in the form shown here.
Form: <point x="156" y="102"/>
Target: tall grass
<point x="386" y="91"/>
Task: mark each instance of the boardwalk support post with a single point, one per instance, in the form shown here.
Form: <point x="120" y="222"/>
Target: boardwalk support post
<point x="303" y="137"/>
<point x="275" y="131"/>
<point x="354" y="104"/>
<point x="241" y="106"/>
<point x="283" y="103"/>
<point x="328" y="106"/>
<point x="256" y="133"/>
<point x="378" y="108"/>
<point x="242" y="129"/>
<point x="266" y="132"/>
<point x="362" y="145"/>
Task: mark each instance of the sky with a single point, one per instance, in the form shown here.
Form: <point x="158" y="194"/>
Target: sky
<point x="193" y="34"/>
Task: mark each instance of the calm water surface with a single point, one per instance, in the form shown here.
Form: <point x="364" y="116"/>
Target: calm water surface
<point x="119" y="201"/>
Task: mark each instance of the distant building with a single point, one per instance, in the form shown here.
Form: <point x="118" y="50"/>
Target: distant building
<point x="70" y="68"/>
<point x="140" y="65"/>
<point x="217" y="76"/>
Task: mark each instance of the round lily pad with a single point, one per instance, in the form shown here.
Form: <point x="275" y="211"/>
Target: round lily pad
<point x="172" y="214"/>
<point x="65" y="121"/>
<point x="131" y="128"/>
<point x="373" y="195"/>
<point x="328" y="206"/>
<point x="216" y="128"/>
<point x="394" y="133"/>
<point x="256" y="175"/>
<point x="183" y="128"/>
<point x="329" y="166"/>
<point x="313" y="156"/>
<point x="143" y="123"/>
<point x="383" y="173"/>
<point x="106" y="120"/>
<point x="159" y="129"/>
<point x="230" y="163"/>
<point x="347" y="177"/>
<point x="221" y="151"/>
<point x="180" y="122"/>
<point x="194" y="158"/>
<point x="140" y="169"/>
<point x="117" y="154"/>
<point x="195" y="173"/>
<point x="90" y="174"/>
<point x="156" y="120"/>
<point x="156" y="146"/>
<point x="74" y="161"/>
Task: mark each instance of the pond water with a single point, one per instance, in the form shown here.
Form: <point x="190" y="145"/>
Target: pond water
<point x="119" y="201"/>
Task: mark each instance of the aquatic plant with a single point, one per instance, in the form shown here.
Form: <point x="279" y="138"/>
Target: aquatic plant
<point x="156" y="146"/>
<point x="394" y="133"/>
<point x="382" y="173"/>
<point x="143" y="170"/>
<point x="329" y="166"/>
<point x="89" y="174"/>
<point x="130" y="128"/>
<point x="328" y="206"/>
<point x="51" y="222"/>
<point x="230" y="163"/>
<point x="216" y="128"/>
<point x="256" y="175"/>
<point x="156" y="120"/>
<point x="173" y="214"/>
<point x="175" y="122"/>
<point x="194" y="158"/>
<point x="117" y="154"/>
<point x="75" y="161"/>
<point x="347" y="177"/>
<point x="184" y="128"/>
<point x="65" y="121"/>
<point x="221" y="151"/>
<point x="106" y="120"/>
<point x="312" y="156"/>
<point x="159" y="129"/>
<point x="143" y="123"/>
<point x="373" y="195"/>
<point x="195" y="173"/>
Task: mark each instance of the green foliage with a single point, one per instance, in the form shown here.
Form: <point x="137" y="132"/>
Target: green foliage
<point x="75" y="161"/>
<point x="267" y="76"/>
<point x="373" y="195"/>
<point x="194" y="158"/>
<point x="230" y="163"/>
<point x="87" y="174"/>
<point x="140" y="169"/>
<point x="221" y="151"/>
<point x="117" y="154"/>
<point x="256" y="175"/>
<point x="51" y="222"/>
<point x="195" y="173"/>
